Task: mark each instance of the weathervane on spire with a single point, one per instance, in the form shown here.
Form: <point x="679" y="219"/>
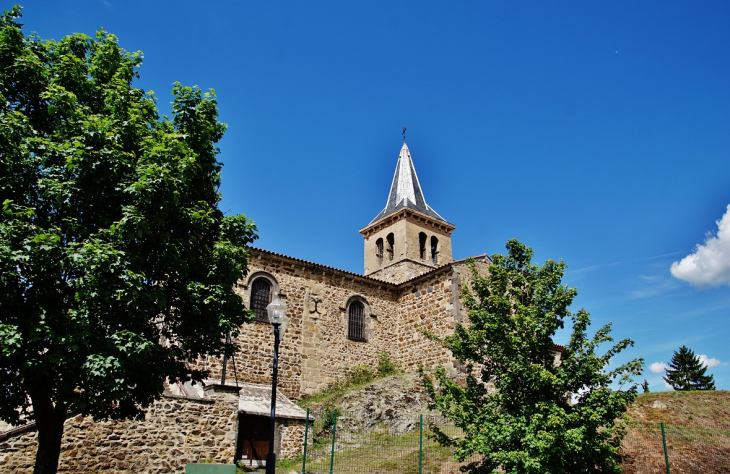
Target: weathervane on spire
<point x="404" y="134"/>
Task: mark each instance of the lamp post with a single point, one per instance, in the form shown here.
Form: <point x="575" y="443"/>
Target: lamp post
<point x="278" y="319"/>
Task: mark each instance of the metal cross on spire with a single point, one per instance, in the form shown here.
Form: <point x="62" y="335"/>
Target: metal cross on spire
<point x="404" y="134"/>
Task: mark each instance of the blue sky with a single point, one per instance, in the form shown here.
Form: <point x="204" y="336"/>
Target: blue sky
<point x="595" y="132"/>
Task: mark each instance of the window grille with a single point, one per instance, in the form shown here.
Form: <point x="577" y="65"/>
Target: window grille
<point x="422" y="244"/>
<point x="379" y="251"/>
<point x="391" y="246"/>
<point x="355" y="329"/>
<point x="434" y="249"/>
<point x="260" y="299"/>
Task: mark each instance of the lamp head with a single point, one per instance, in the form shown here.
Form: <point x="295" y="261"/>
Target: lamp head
<point x="277" y="315"/>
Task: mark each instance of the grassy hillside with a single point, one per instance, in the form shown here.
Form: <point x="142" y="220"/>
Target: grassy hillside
<point x="378" y="426"/>
<point x="702" y="407"/>
<point x="697" y="427"/>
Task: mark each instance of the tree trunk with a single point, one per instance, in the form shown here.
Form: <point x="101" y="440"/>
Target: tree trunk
<point x="49" y="420"/>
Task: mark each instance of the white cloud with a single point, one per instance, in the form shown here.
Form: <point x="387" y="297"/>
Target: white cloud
<point x="709" y="362"/>
<point x="657" y="367"/>
<point x="709" y="265"/>
<point x="653" y="285"/>
<point x="668" y="387"/>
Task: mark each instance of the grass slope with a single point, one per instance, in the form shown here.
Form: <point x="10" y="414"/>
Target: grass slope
<point x="697" y="428"/>
<point x="701" y="407"/>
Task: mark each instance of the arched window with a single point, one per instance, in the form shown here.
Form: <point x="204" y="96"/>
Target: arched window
<point x="356" y="321"/>
<point x="434" y="249"/>
<point x="260" y="298"/>
<point x="422" y="245"/>
<point x="379" y="251"/>
<point x="391" y="246"/>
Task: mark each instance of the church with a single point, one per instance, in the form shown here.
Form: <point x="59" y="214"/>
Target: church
<point x="338" y="319"/>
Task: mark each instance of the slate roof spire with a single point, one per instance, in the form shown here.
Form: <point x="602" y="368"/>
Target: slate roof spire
<point x="405" y="191"/>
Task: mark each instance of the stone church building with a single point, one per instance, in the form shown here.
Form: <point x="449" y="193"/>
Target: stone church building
<point x="339" y="319"/>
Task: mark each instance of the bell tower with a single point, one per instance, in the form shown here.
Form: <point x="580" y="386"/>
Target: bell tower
<point x="407" y="238"/>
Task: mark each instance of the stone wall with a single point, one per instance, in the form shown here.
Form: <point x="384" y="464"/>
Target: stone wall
<point x="316" y="350"/>
<point x="401" y="271"/>
<point x="405" y="227"/>
<point x="175" y="431"/>
<point x="290" y="434"/>
<point x="433" y="304"/>
<point x="426" y="305"/>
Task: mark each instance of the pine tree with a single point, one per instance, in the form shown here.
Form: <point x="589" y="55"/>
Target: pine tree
<point x="686" y="372"/>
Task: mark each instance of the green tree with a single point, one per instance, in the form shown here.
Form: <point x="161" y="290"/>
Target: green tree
<point x="116" y="264"/>
<point x="515" y="407"/>
<point x="686" y="372"/>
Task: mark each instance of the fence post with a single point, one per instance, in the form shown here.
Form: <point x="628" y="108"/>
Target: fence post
<point x="420" y="445"/>
<point x="334" y="431"/>
<point x="306" y="432"/>
<point x="666" y="455"/>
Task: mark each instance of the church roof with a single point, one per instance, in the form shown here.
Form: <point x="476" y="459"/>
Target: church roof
<point x="380" y="283"/>
<point x="405" y="191"/>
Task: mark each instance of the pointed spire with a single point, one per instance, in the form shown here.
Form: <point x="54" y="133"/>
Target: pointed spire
<point x="405" y="191"/>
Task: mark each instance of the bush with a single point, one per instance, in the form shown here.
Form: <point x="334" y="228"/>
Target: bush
<point x="360" y="374"/>
<point x="327" y="418"/>
<point x="385" y="365"/>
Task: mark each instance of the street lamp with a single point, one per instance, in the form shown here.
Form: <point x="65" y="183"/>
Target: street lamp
<point x="279" y="320"/>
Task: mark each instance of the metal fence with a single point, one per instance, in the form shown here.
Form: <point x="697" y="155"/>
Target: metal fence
<point x="346" y="443"/>
<point x="659" y="448"/>
<point x="386" y="442"/>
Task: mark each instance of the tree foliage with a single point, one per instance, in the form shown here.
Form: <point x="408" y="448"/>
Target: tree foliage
<point x="116" y="264"/>
<point x="515" y="407"/>
<point x="686" y="372"/>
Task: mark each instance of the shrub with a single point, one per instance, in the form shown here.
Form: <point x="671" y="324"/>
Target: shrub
<point x="327" y="418"/>
<point x="360" y="374"/>
<point x="385" y="365"/>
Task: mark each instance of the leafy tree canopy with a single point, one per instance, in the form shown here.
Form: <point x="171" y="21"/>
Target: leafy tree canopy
<point x="686" y="372"/>
<point x="515" y="407"/>
<point x="116" y="264"/>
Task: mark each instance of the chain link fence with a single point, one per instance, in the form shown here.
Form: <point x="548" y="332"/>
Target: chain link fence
<point x="390" y="442"/>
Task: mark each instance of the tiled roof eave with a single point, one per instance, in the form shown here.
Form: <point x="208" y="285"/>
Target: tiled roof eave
<point x="367" y="279"/>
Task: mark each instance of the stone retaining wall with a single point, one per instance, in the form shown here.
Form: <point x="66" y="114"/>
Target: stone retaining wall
<point x="175" y="431"/>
